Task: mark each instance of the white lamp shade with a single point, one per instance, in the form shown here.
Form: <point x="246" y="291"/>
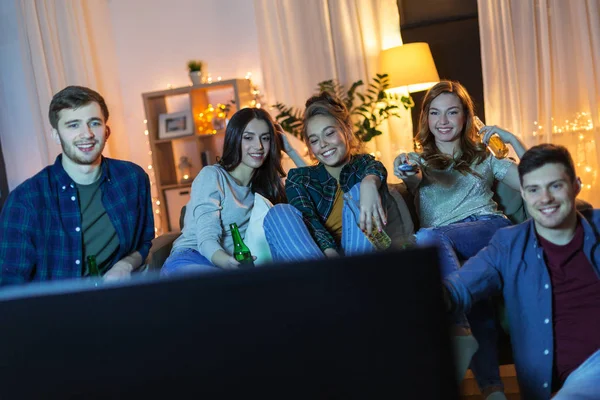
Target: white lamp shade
<point x="409" y="65"/>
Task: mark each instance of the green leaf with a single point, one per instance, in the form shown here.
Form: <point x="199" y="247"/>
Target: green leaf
<point x="369" y="107"/>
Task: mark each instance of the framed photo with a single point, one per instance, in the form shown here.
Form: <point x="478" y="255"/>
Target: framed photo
<point x="175" y="125"/>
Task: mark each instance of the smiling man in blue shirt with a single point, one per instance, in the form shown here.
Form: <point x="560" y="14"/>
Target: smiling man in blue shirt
<point x="83" y="205"/>
<point x="548" y="271"/>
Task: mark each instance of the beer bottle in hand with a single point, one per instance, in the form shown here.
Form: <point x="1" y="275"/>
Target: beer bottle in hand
<point x="496" y="146"/>
<point x="241" y="252"/>
<point x="380" y="240"/>
<point x="92" y="267"/>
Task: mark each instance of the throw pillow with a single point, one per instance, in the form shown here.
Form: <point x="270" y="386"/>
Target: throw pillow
<point x="255" y="234"/>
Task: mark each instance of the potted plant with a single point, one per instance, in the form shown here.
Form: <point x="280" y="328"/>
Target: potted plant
<point x="369" y="109"/>
<point x="195" y="68"/>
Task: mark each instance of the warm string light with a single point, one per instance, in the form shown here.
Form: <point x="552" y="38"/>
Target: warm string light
<point x="577" y="135"/>
<point x="212" y="119"/>
<point x="257" y="101"/>
<point x="581" y="123"/>
<point x="155" y="201"/>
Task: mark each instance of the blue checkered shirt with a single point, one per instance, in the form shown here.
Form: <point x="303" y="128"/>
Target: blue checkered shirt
<point x="40" y="225"/>
<point x="312" y="191"/>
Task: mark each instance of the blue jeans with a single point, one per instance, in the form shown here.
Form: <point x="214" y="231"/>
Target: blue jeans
<point x="185" y="260"/>
<point x="584" y="382"/>
<point x="458" y="242"/>
<point x="290" y="240"/>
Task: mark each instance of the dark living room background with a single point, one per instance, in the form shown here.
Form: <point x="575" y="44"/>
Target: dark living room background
<point x="451" y="27"/>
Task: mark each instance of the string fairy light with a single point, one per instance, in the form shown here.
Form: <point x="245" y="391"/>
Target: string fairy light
<point x="158" y="229"/>
<point x="577" y="135"/>
<point x="212" y="119"/>
<point x="257" y="100"/>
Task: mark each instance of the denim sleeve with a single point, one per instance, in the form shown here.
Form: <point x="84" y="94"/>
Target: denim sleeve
<point x="298" y="197"/>
<point x="479" y="278"/>
<point x="17" y="252"/>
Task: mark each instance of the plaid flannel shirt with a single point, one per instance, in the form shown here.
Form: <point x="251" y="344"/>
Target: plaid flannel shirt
<point x="40" y="234"/>
<point x="312" y="191"/>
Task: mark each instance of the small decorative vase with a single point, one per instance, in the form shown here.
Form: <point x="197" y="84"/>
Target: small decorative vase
<point x="185" y="167"/>
<point x="196" y="77"/>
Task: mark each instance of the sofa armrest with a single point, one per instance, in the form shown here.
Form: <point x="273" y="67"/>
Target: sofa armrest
<point x="400" y="210"/>
<point x="160" y="250"/>
<point x="510" y="202"/>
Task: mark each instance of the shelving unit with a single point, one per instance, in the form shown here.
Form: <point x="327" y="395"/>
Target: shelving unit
<point x="166" y="153"/>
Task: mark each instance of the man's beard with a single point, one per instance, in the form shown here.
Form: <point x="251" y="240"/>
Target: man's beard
<point x="71" y="151"/>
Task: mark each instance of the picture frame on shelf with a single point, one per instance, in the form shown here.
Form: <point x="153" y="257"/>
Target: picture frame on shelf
<point x="173" y="125"/>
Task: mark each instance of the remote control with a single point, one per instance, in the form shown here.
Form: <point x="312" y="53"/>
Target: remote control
<point x="408" y="167"/>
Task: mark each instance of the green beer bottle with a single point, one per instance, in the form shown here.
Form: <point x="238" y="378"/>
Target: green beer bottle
<point x="92" y="266"/>
<point x="241" y="252"/>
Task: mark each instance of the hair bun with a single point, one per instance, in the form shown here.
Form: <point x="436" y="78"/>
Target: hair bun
<point x="326" y="97"/>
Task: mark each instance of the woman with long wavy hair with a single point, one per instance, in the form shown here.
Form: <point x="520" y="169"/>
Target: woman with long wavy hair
<point x="452" y="184"/>
<point x="224" y="193"/>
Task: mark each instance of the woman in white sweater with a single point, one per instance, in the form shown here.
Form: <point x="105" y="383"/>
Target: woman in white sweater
<point x="224" y="193"/>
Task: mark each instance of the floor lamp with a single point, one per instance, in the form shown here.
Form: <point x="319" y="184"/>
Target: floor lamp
<point x="411" y="69"/>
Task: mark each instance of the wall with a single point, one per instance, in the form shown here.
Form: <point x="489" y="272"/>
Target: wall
<point x="155" y="39"/>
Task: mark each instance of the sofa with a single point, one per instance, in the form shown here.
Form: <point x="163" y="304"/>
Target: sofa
<point x="401" y="204"/>
<point x="398" y="211"/>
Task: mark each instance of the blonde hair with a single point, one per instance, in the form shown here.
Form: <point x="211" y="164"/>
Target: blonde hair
<point x="329" y="105"/>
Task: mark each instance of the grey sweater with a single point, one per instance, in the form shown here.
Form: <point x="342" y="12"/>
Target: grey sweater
<point x="217" y="200"/>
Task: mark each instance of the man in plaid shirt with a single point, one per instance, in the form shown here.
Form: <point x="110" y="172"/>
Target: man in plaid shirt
<point x="83" y="205"/>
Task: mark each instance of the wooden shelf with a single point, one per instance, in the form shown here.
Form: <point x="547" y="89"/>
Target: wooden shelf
<point x="166" y="153"/>
<point x="189" y="137"/>
<point x="176" y="186"/>
<point x="208" y="135"/>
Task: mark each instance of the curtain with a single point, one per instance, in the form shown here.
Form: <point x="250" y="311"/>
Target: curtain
<point x="309" y="41"/>
<point x="45" y="46"/>
<point x="541" y="74"/>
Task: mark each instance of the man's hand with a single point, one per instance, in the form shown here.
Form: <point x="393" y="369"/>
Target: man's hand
<point x="121" y="270"/>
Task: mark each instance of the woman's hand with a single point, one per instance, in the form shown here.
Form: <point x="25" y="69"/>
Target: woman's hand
<point x="287" y="147"/>
<point x="411" y="178"/>
<point x="489" y="130"/>
<point x="371" y="210"/>
<point x="505" y="136"/>
<point x="225" y="261"/>
<point x="331" y="253"/>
